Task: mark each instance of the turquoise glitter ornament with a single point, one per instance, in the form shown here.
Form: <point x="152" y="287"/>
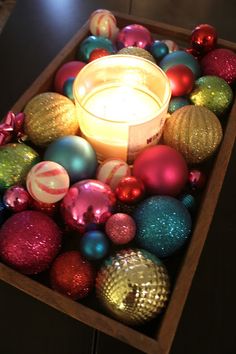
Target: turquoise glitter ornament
<point x="94" y="245"/>
<point x="176" y="103"/>
<point x="159" y="50"/>
<point x="93" y="42"/>
<point x="163" y="225"/>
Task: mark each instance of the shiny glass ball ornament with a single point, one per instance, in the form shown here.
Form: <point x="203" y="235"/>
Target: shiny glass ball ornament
<point x="213" y="93"/>
<point x="68" y="88"/>
<point x="177" y="102"/>
<point x="133" y="286"/>
<point x="120" y="228"/>
<point x="181" y="79"/>
<point x="139" y="52"/>
<point x="159" y="50"/>
<point x="16" y="199"/>
<point x="134" y="35"/>
<point x="75" y="154"/>
<point x="203" y="38"/>
<point x="103" y="23"/>
<point x="94" y="245"/>
<point x="130" y="190"/>
<point x="196" y="180"/>
<point x="163" y="225"/>
<point x="92" y="42"/>
<point x="67" y="71"/>
<point x="15" y="162"/>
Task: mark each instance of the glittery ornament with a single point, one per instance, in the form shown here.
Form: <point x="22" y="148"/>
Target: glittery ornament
<point x="66" y="71"/>
<point x="92" y="42"/>
<point x="188" y="201"/>
<point x="203" y="38"/>
<point x="159" y="50"/>
<point x="172" y="46"/>
<point x="134" y="36"/>
<point x="163" y="225"/>
<point x="120" y="228"/>
<point x="176" y="103"/>
<point x="15" y="162"/>
<point x="196" y="180"/>
<point x="17" y="199"/>
<point x="72" y="275"/>
<point x="220" y="62"/>
<point x="103" y="23"/>
<point x="29" y="241"/>
<point x="130" y="190"/>
<point x="133" y="286"/>
<point x="98" y="53"/>
<point x="94" y="245"/>
<point x="138" y="52"/>
<point x="213" y="93"/>
<point x="181" y="79"/>
<point x="194" y="131"/>
<point x="49" y="116"/>
<point x="68" y="88"/>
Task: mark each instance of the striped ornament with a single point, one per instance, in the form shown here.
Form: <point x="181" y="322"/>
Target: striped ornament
<point x="103" y="23"/>
<point x="47" y="182"/>
<point x="171" y="45"/>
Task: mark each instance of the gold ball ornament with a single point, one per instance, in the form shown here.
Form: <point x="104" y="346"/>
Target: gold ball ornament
<point x="138" y="52"/>
<point x="49" y="116"/>
<point x="194" y="131"/>
<point x="133" y="286"/>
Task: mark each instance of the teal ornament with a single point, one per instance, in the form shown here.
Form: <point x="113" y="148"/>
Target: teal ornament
<point x="159" y="50"/>
<point x="68" y="88"/>
<point x="181" y="57"/>
<point x="163" y="225"/>
<point x="75" y="154"/>
<point x="188" y="201"/>
<point x="93" y="42"/>
<point x="94" y="245"/>
<point x="176" y="103"/>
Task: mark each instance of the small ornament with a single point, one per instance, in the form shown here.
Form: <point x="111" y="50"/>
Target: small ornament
<point x="194" y="131"/>
<point x="75" y="154"/>
<point x="66" y="71"/>
<point x="103" y="23"/>
<point x="134" y="36"/>
<point x="16" y="199"/>
<point x="94" y="245"/>
<point x="138" y="52"/>
<point x="120" y="228"/>
<point x="203" y="38"/>
<point x="133" y="286"/>
<point x="177" y="102"/>
<point x="49" y="209"/>
<point x="15" y="162"/>
<point x="92" y="42"/>
<point x="193" y="52"/>
<point x="68" y="88"/>
<point x="163" y="225"/>
<point x="87" y="205"/>
<point x="213" y="93"/>
<point x="181" y="79"/>
<point x="11" y="127"/>
<point x="49" y="116"/>
<point x="3" y="212"/>
<point x="159" y="50"/>
<point x="98" y="53"/>
<point x="29" y="241"/>
<point x="47" y="182"/>
<point x="196" y="180"/>
<point x="111" y="171"/>
<point x="72" y="275"/>
<point x="162" y="169"/>
<point x="172" y="46"/>
<point x="220" y="62"/>
<point x="130" y="190"/>
<point x="188" y="201"/>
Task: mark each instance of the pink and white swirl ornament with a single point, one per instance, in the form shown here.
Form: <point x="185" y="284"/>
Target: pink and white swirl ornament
<point x="103" y="23"/>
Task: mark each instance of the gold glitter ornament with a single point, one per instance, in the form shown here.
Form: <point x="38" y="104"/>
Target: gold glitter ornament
<point x="15" y="162"/>
<point x="49" y="116"/>
<point x="138" y="52"/>
<point x="194" y="131"/>
<point x="213" y="93"/>
<point x="133" y="286"/>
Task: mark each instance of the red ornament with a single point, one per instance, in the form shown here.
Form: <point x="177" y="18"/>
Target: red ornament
<point x="17" y="199"/>
<point x="72" y="275"/>
<point x="98" y="53"/>
<point x="196" y="179"/>
<point x="162" y="169"/>
<point x="130" y="190"/>
<point x="11" y="127"/>
<point x="120" y="228"/>
<point x="181" y="79"/>
<point x="203" y="38"/>
<point x="49" y="209"/>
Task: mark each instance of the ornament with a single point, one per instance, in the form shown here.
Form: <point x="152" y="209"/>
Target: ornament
<point x="188" y="201"/>
<point x="47" y="182"/>
<point x="130" y="190"/>
<point x="103" y="23"/>
<point x="203" y="38"/>
<point x="120" y="228"/>
<point x="3" y="212"/>
<point x="196" y="180"/>
<point x="181" y="79"/>
<point x="111" y="171"/>
<point x="16" y="199"/>
<point x="98" y="53"/>
<point x="87" y="205"/>
<point x="72" y="275"/>
<point x="133" y="286"/>
<point x="11" y="127"/>
<point x="68" y="88"/>
<point x="49" y="116"/>
<point x="193" y="52"/>
<point x="220" y="62"/>
<point x="134" y="36"/>
<point x="159" y="50"/>
<point x="163" y="225"/>
<point x="177" y="102"/>
<point x="180" y="57"/>
<point x="213" y="93"/>
<point x="49" y="209"/>
<point x="194" y="131"/>
<point x="75" y="154"/>
<point x="15" y="162"/>
<point x="172" y="46"/>
<point x="66" y="71"/>
<point x="94" y="245"/>
<point x="29" y="241"/>
<point x="138" y="52"/>
<point x="162" y="169"/>
<point x="92" y="42"/>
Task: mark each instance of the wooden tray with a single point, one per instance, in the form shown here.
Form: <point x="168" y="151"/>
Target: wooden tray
<point x="157" y="336"/>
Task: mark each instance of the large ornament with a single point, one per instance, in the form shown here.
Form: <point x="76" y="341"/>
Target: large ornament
<point x="134" y="36"/>
<point x="133" y="286"/>
<point x="94" y="245"/>
<point x="66" y="71"/>
<point x="15" y="162"/>
<point x="120" y="228"/>
<point x="130" y="190"/>
<point x="29" y="241"/>
<point x="163" y="225"/>
<point x="181" y="79"/>
<point x="194" y="131"/>
<point x="49" y="116"/>
<point x="87" y="205"/>
<point x="103" y="23"/>
<point x="203" y="38"/>
<point x="16" y="199"/>
<point x="159" y="50"/>
<point x="93" y="42"/>
<point x="138" y="52"/>
<point x="177" y="102"/>
<point x="213" y="93"/>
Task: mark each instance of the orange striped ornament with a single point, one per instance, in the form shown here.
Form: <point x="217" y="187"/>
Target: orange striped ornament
<point x="103" y="23"/>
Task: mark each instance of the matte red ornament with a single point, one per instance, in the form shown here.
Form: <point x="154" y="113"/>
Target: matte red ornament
<point x="130" y="190"/>
<point x="16" y="199"/>
<point x="181" y="79"/>
<point x="120" y="228"/>
<point x="98" y="53"/>
<point x="196" y="179"/>
<point x="203" y="38"/>
<point x="72" y="275"/>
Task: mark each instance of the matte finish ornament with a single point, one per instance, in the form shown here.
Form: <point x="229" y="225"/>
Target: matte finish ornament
<point x="138" y="52"/>
<point x="68" y="88"/>
<point x="203" y="38"/>
<point x="17" y="199"/>
<point x="103" y="23"/>
<point x="177" y="102"/>
<point x="94" y="245"/>
<point x="92" y="42"/>
<point x="159" y="50"/>
<point x="134" y="36"/>
<point x="66" y="71"/>
<point x="181" y="79"/>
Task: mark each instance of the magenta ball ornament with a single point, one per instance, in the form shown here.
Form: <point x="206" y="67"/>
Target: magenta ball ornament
<point x="65" y="72"/>
<point x="16" y="199"/>
<point x="134" y="36"/>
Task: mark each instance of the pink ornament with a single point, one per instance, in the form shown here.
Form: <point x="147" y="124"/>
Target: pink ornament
<point x="47" y="182"/>
<point x="196" y="179"/>
<point x="171" y="45"/>
<point x="29" y="241"/>
<point x="130" y="190"/>
<point x="162" y="169"/>
<point x="120" y="228"/>
<point x="65" y="72"/>
<point x="103" y="23"/>
<point x="87" y="205"/>
<point x="111" y="171"/>
<point x="134" y="36"/>
<point x="17" y="199"/>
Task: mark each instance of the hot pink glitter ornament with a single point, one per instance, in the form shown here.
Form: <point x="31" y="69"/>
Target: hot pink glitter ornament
<point x="134" y="36"/>
<point x="17" y="199"/>
<point x="120" y="228"/>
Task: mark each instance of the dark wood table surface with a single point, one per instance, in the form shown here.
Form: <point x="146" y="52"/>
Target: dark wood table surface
<point x="35" y="32"/>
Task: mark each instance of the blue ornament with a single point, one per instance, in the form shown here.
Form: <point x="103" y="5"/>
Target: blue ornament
<point x="177" y="102"/>
<point x="181" y="57"/>
<point x="163" y="225"/>
<point x="3" y="212"/>
<point x="68" y="88"/>
<point x="159" y="50"/>
<point x="93" y="42"/>
<point x="189" y="201"/>
<point x="94" y="245"/>
<point x="75" y="154"/>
